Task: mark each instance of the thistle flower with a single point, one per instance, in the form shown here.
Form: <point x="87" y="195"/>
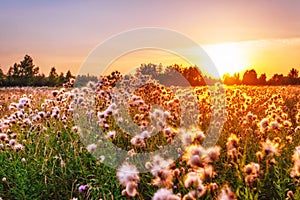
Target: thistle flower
<point x="160" y="168"/>
<point x="213" y="153"/>
<point x="91" y="148"/>
<point x="295" y="173"/>
<point x="290" y="194"/>
<point x="227" y="194"/>
<point x="165" y="194"/>
<point x="252" y="173"/>
<point x="198" y="192"/>
<point x="270" y="148"/>
<point x="18" y="147"/>
<point x="232" y="145"/>
<point x="111" y="134"/>
<point x="264" y="124"/>
<point x="192" y="179"/>
<point x="195" y="156"/>
<point x="127" y="173"/>
<point x="128" y="178"/>
<point x="274" y="125"/>
<point x="296" y="155"/>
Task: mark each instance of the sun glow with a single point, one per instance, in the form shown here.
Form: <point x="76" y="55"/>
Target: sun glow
<point x="228" y="57"/>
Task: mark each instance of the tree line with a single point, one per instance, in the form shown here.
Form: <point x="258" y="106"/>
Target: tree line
<point x="250" y="77"/>
<point x="26" y="73"/>
<point x="178" y="75"/>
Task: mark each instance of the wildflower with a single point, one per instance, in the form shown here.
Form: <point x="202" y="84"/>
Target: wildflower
<point x="91" y="148"/>
<point x="232" y="145"/>
<point x="213" y="153"/>
<point x="131" y="188"/>
<point x="227" y="194"/>
<point x="296" y="155"/>
<point x="264" y="124"/>
<point x="259" y="156"/>
<point x="12" y="142"/>
<point x="274" y="125"/>
<point x="4" y="179"/>
<point x="192" y="179"/>
<point x="252" y="173"/>
<point x="287" y="123"/>
<point x="111" y="134"/>
<point x="186" y="137"/>
<point x="101" y="158"/>
<point x="3" y="136"/>
<point x="128" y="178"/>
<point x="83" y="188"/>
<point x="197" y="156"/>
<point x="270" y="148"/>
<point x="290" y="194"/>
<point x="197" y="193"/>
<point x="213" y="187"/>
<point x="75" y="129"/>
<point x="18" y="147"/>
<point x="138" y="140"/>
<point x="295" y="173"/>
<point x="162" y="172"/>
<point x="23" y="160"/>
<point x="289" y="139"/>
<point x="165" y="194"/>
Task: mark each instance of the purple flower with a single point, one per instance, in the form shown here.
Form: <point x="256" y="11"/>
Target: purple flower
<point x="82" y="188"/>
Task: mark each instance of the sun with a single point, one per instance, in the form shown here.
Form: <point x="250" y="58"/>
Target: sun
<point x="228" y="57"/>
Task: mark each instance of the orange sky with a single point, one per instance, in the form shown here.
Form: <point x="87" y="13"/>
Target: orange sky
<point x="264" y="35"/>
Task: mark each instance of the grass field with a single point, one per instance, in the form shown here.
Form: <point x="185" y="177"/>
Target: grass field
<point x="55" y="143"/>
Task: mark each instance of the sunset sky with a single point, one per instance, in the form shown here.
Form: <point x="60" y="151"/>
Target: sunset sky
<point x="264" y="35"/>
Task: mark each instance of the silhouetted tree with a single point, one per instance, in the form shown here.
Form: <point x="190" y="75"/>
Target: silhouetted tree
<point x="293" y="73"/>
<point x="52" y="79"/>
<point x="69" y="76"/>
<point x="262" y="79"/>
<point x="40" y="80"/>
<point x="250" y="77"/>
<point x="293" y="76"/>
<point x="277" y="79"/>
<point x="2" y="78"/>
<point x="23" y="74"/>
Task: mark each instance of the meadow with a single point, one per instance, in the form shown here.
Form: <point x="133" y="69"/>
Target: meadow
<point x="126" y="137"/>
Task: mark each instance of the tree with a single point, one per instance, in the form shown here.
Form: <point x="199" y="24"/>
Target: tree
<point x="293" y="73"/>
<point x="250" y="77"/>
<point x="24" y="73"/>
<point x="28" y="70"/>
<point x="262" y="79"/>
<point x="2" y="78"/>
<point x="69" y="76"/>
<point x="52" y="79"/>
<point x="293" y="76"/>
<point x="277" y="79"/>
<point x="61" y="79"/>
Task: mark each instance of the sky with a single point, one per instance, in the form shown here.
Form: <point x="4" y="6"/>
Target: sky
<point x="237" y="35"/>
